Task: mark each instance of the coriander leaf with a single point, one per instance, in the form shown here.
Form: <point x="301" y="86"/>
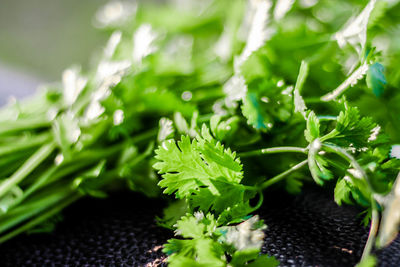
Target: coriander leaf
<point x="196" y="226"/>
<point x="224" y="130"/>
<point x="181" y="167"/>
<point x="227" y="195"/>
<point x="201" y="252"/>
<point x="236" y="213"/>
<point x="267" y="103"/>
<point x="312" y="131"/>
<point x="342" y="192"/>
<point x="353" y="129"/>
<point x="194" y="252"/>
<point x="252" y="257"/>
<point x="172" y="213"/>
<point x="188" y="165"/>
<point x="376" y="78"/>
<point x="241" y="257"/>
<point x="163" y="101"/>
<point x="294" y="183"/>
<point x="183" y="261"/>
<point x="264" y="261"/>
<point x="256" y="65"/>
<point x="254" y="113"/>
<point x="209" y="251"/>
<point x="178" y="245"/>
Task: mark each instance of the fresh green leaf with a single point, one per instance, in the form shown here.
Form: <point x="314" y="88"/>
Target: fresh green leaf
<point x="351" y="129"/>
<point x="189" y="165"/>
<point x="312" y="131"/>
<point x="254" y="113"/>
<point x="342" y="192"/>
<point x="376" y="78"/>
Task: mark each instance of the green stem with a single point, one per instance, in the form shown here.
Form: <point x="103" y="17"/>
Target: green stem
<point x="312" y="100"/>
<point x="327" y="118"/>
<point x="40" y="218"/>
<point x="259" y="203"/>
<point x="282" y="175"/>
<point x="375" y="214"/>
<point x="27" y="168"/>
<point x="35" y="186"/>
<point x="331" y="134"/>
<point x="273" y="150"/>
<point x="144" y="136"/>
<point x="347" y="156"/>
<point x="360" y="71"/>
<point x="372" y="231"/>
<point x="87" y="158"/>
<point x="24" y="143"/>
<point x="11" y="163"/>
<point x="33" y="207"/>
<point x="23" y="125"/>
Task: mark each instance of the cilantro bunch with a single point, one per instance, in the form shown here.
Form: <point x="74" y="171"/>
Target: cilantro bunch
<point x="211" y="103"/>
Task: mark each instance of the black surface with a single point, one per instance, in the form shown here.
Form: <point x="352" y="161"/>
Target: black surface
<point x="118" y="231"/>
<point x="307" y="230"/>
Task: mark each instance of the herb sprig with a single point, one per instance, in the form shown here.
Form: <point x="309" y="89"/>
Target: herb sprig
<point x="189" y="101"/>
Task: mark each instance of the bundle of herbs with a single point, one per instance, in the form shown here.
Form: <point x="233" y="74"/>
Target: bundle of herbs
<point x="211" y="103"/>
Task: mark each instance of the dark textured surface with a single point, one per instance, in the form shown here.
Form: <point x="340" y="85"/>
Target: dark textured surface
<point x="307" y="230"/>
<point x="311" y="230"/>
<point x="119" y="231"/>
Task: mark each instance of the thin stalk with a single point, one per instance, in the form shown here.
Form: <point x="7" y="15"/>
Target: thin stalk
<point x="372" y="231"/>
<point x="35" y="186"/>
<point x="29" y="165"/>
<point x="375" y="214"/>
<point x="23" y="125"/>
<point x="273" y="150"/>
<point x="87" y="158"/>
<point x="331" y="134"/>
<point x="282" y="175"/>
<point x="347" y="156"/>
<point x="350" y="81"/>
<point x="96" y="154"/>
<point x="326" y="118"/>
<point x="11" y="163"/>
<point x="25" y="143"/>
<point x="40" y="218"/>
<point x="260" y="201"/>
<point x="312" y="100"/>
<point x="144" y="136"/>
<point x="28" y="210"/>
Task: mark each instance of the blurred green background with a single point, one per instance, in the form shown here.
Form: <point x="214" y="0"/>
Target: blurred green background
<point x="43" y="37"/>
